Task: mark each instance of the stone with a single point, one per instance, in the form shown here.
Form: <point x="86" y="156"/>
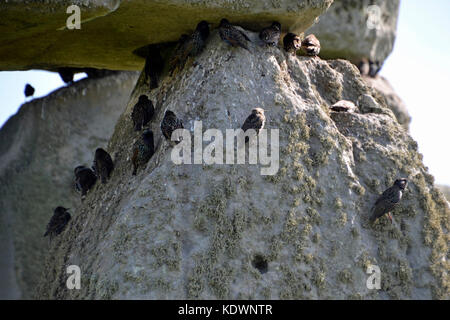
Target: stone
<point x="226" y="231"/>
<point x="113" y="31"/>
<point x="39" y="148"/>
<point x="345" y="30"/>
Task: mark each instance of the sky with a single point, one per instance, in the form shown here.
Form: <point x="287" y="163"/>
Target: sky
<point x="418" y="69"/>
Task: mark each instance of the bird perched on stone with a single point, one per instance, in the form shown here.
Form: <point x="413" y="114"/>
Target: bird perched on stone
<point x="388" y="200"/>
<point x="232" y="35"/>
<point x="374" y="68"/>
<point x="169" y="124"/>
<point x="143" y="150"/>
<point x="66" y="74"/>
<point x="143" y="112"/>
<point x="291" y="42"/>
<point x="57" y="222"/>
<point x="29" y="90"/>
<point x="255" y="120"/>
<point x="343" y="106"/>
<point x="103" y="165"/>
<point x="271" y="35"/>
<point x="189" y="46"/>
<point x="85" y="178"/>
<point x="311" y="45"/>
<point x="154" y="65"/>
<point x="363" y="67"/>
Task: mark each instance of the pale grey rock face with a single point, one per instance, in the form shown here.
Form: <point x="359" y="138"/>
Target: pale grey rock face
<point x="39" y="148"/>
<point x="345" y="30"/>
<point x="225" y="231"/>
<point x="41" y="40"/>
<point x="393" y="101"/>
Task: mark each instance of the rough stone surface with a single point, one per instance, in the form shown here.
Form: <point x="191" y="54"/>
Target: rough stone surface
<point x="39" y="148"/>
<point x="33" y="34"/>
<point x="393" y="101"/>
<point x="343" y="31"/>
<point x="198" y="231"/>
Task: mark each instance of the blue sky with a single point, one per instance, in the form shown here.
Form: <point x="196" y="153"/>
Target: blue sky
<point x="418" y="69"/>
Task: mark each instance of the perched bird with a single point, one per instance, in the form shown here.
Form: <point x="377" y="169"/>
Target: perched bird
<point x="85" y="178"/>
<point x="29" y="90"/>
<point x="143" y="112"/>
<point x="363" y="67"/>
<point x="189" y="46"/>
<point x="271" y="35"/>
<point x="291" y="43"/>
<point x="388" y="200"/>
<point x="66" y="74"/>
<point x="57" y="222"/>
<point x="154" y="65"/>
<point x="232" y="35"/>
<point x="143" y="150"/>
<point x="169" y="124"/>
<point x="103" y="164"/>
<point x="179" y="55"/>
<point x="255" y="120"/>
<point x="311" y="45"/>
<point x="374" y="68"/>
<point x="343" y="106"/>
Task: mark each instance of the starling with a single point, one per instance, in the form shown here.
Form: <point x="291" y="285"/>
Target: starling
<point x="103" y="164"/>
<point x="169" y="124"/>
<point x="57" y="222"/>
<point x="232" y="35"/>
<point x="66" y="74"/>
<point x="255" y="120"/>
<point x="29" y="90"/>
<point x="143" y="150"/>
<point x="374" y="68"/>
<point x="190" y="46"/>
<point x="363" y="67"/>
<point x="85" y="178"/>
<point x="311" y="45"/>
<point x="388" y="200"/>
<point x="291" y="43"/>
<point x="179" y="54"/>
<point x="343" y="106"/>
<point x="271" y="35"/>
<point x="143" y="112"/>
<point x="154" y="65"/>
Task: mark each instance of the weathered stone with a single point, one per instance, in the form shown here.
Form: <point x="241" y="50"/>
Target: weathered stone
<point x="393" y="101"/>
<point x="33" y="33"/>
<point x="226" y="231"/>
<point x="344" y="32"/>
<point x="39" y="148"/>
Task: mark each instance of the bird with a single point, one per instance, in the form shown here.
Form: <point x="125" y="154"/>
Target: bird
<point x="255" y="121"/>
<point x="154" y="65"/>
<point x="311" y="45"/>
<point x="232" y="35"/>
<point x="143" y="150"/>
<point x="57" y="222"/>
<point x="271" y="35"/>
<point x="169" y="124"/>
<point x="66" y="74"/>
<point x="143" y="112"/>
<point x="363" y="67"/>
<point x="178" y="55"/>
<point x="103" y="165"/>
<point x="29" y="90"/>
<point x="343" y="106"/>
<point x="374" y="68"/>
<point x="190" y="46"/>
<point x="85" y="178"/>
<point x="291" y="42"/>
<point x="388" y="200"/>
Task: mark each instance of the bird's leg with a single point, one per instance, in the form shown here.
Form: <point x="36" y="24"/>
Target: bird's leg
<point x="390" y="216"/>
